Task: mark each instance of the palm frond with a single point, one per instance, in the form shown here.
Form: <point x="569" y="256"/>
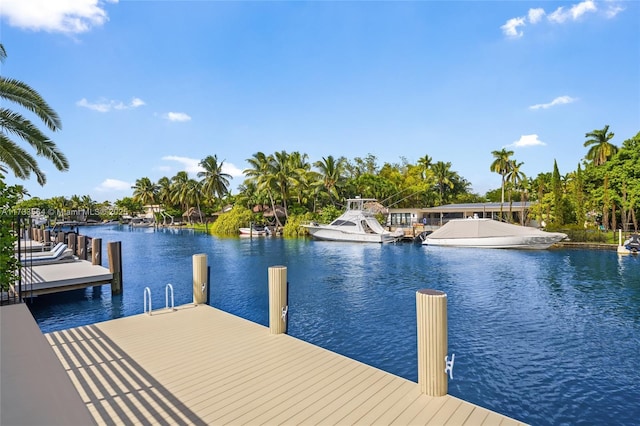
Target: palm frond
<point x="25" y="96"/>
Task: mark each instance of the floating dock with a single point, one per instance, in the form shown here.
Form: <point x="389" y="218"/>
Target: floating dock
<point x="198" y="365"/>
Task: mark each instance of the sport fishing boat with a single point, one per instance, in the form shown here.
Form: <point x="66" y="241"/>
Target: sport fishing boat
<point x="357" y="224"/>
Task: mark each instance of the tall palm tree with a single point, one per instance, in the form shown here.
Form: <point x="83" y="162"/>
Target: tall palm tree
<point x="601" y="149"/>
<point x="501" y="165"/>
<point x="16" y="159"/>
<point x="164" y="191"/>
<point x="331" y="175"/>
<point x="444" y="177"/>
<point x="425" y="163"/>
<point x="214" y="180"/>
<point x="180" y="190"/>
<point x="260" y="172"/>
<point x="514" y="177"/>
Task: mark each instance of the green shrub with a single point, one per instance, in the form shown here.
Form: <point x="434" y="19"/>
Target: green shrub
<point x="228" y="223"/>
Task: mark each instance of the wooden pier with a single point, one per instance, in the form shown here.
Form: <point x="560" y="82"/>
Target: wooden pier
<point x="198" y="365"/>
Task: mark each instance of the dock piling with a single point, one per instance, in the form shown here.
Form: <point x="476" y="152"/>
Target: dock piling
<point x="82" y="247"/>
<point x="431" y="308"/>
<point x="96" y="251"/>
<point x="72" y="243"/>
<point x="278" y="305"/>
<point x="200" y="282"/>
<point x="115" y="265"/>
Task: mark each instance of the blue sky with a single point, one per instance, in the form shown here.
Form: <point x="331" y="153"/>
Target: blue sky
<point x="149" y="88"/>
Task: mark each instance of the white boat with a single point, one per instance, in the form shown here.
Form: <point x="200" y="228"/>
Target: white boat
<point x="630" y="246"/>
<point x="357" y="224"/>
<point x="254" y="230"/>
<point x="489" y="233"/>
<point x="141" y="222"/>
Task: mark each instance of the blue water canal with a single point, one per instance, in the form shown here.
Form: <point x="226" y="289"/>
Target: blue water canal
<point x="548" y="337"/>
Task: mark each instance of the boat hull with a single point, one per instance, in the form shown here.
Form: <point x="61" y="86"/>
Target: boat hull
<point x="530" y="243"/>
<point x="329" y="233"/>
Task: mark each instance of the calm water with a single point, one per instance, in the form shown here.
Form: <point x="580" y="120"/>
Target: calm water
<point x="548" y="337"/>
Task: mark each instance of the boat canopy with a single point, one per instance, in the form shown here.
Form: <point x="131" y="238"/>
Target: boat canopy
<point x="481" y="228"/>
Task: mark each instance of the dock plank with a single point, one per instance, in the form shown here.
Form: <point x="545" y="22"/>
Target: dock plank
<point x="199" y="365"/>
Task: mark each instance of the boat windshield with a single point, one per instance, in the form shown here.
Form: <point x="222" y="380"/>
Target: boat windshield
<point x="342" y="222"/>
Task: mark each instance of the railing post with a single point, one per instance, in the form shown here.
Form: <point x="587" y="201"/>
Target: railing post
<point x="200" y="283"/>
<point x="278" y="306"/>
<point x="431" y="308"/>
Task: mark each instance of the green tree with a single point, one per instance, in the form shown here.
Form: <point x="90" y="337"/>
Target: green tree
<point x="444" y="178"/>
<point x="145" y="191"/>
<point x="214" y="181"/>
<point x="17" y="159"/>
<point x="601" y="149"/>
<point x="501" y="166"/>
<point x="331" y="175"/>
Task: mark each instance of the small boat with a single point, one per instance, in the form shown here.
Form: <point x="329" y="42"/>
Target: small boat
<point x="489" y="233"/>
<point x="141" y="222"/>
<point x="630" y="246"/>
<point x="254" y="230"/>
<point x="357" y="224"/>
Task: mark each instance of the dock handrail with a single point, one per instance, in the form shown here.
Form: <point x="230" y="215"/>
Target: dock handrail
<point x="166" y="297"/>
<point x="147" y="294"/>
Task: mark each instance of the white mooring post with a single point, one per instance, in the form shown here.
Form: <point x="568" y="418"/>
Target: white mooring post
<point x="278" y="307"/>
<point x="431" y="307"/>
<point x="200" y="279"/>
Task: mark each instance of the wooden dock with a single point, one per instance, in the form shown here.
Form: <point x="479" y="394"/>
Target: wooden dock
<point x="57" y="277"/>
<point x="198" y="365"/>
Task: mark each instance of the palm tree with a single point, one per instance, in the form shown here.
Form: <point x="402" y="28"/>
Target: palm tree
<point x="180" y="190"/>
<point x="214" y="180"/>
<point x="601" y="150"/>
<point x="425" y="163"/>
<point x="164" y="191"/>
<point x="331" y="175"/>
<point x="145" y="191"/>
<point x="260" y="173"/>
<point x="19" y="161"/>
<point x="515" y="178"/>
<point x="501" y="165"/>
<point x="444" y="177"/>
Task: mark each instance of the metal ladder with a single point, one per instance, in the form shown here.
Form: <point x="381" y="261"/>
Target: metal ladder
<point x="168" y="290"/>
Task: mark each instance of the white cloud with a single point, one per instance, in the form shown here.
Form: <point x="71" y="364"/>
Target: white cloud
<point x="106" y="105"/>
<point x="535" y="15"/>
<point x="65" y="16"/>
<point x="113" y="185"/>
<point x="613" y="10"/>
<point x="176" y="116"/>
<point x="560" y="100"/>
<point x="561" y="15"/>
<point x="527" y="140"/>
<point x="510" y="28"/>
<point x="192" y="166"/>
